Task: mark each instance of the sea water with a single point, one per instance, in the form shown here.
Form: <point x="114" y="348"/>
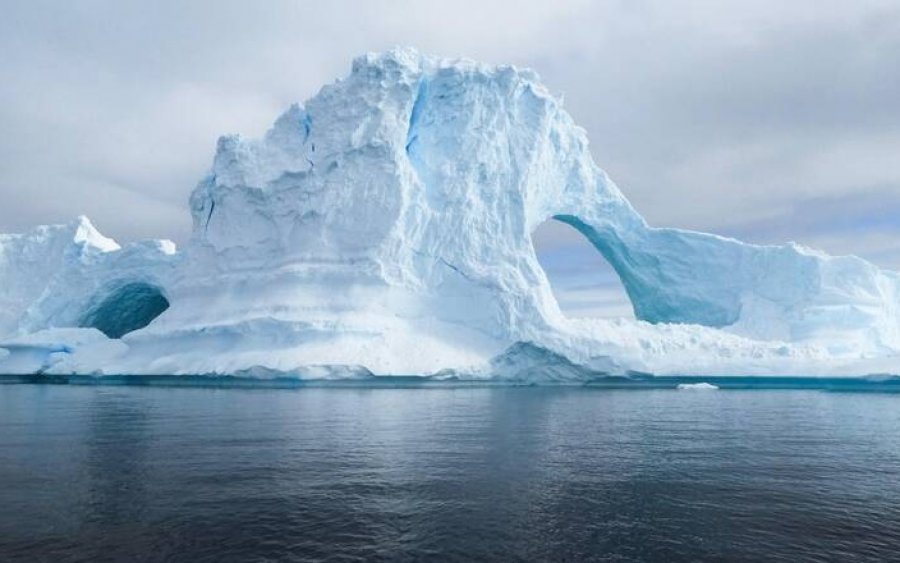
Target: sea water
<point x="447" y="473"/>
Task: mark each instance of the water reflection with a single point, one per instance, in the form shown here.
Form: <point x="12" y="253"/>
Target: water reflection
<point x="118" y="432"/>
<point x="445" y="473"/>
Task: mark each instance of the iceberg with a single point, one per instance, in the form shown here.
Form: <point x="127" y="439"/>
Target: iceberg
<point x="383" y="228"/>
<point x="696" y="387"/>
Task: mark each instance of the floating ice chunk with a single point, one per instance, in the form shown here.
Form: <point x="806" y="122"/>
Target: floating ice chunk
<point x="697" y="387"/>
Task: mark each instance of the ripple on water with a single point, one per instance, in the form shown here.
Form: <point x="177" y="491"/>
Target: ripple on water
<point x="132" y="473"/>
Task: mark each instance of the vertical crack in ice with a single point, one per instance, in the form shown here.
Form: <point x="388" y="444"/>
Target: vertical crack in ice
<point x="212" y="208"/>
<point x="307" y="131"/>
<point x="416" y="113"/>
<point x="307" y="127"/>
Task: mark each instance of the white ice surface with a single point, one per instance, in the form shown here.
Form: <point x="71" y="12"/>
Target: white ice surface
<point x="384" y="228"/>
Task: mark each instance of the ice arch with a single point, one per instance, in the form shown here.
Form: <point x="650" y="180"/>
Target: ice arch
<point x="674" y="276"/>
<point x="125" y="309"/>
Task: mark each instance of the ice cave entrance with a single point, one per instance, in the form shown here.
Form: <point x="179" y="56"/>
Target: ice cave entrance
<point x="583" y="282"/>
<point x="126" y="308"/>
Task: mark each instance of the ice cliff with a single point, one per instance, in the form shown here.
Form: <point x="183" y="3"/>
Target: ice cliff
<point x="384" y="228"/>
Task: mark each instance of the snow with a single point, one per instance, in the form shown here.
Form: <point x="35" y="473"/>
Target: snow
<point x="383" y="228"/>
<point x="88" y="236"/>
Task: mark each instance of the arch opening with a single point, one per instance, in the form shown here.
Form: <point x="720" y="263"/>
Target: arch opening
<point x="125" y="309"/>
<point x="582" y="280"/>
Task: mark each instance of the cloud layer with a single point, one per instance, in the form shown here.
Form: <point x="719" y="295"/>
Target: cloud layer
<point x="767" y="120"/>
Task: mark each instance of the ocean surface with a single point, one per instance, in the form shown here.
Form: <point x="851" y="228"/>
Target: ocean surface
<point x="447" y="473"/>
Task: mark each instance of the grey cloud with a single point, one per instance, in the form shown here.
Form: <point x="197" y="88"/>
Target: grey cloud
<point x="734" y="119"/>
<point x="762" y="119"/>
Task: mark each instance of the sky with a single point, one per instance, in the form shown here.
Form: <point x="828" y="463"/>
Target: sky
<point x="766" y="120"/>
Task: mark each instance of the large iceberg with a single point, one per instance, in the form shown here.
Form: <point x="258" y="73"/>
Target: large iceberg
<point x="384" y="228"/>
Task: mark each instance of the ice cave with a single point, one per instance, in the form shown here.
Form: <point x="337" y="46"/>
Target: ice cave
<point x="126" y="308"/>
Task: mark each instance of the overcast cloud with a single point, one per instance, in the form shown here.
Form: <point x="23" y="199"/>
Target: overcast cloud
<point x="768" y="120"/>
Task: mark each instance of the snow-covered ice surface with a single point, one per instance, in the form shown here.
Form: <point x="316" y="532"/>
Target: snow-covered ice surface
<point x="383" y="228"/>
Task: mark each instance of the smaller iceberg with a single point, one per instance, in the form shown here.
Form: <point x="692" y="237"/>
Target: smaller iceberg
<point x="697" y="387"/>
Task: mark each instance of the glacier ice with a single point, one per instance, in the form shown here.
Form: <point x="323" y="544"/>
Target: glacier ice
<point x="383" y="227"/>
